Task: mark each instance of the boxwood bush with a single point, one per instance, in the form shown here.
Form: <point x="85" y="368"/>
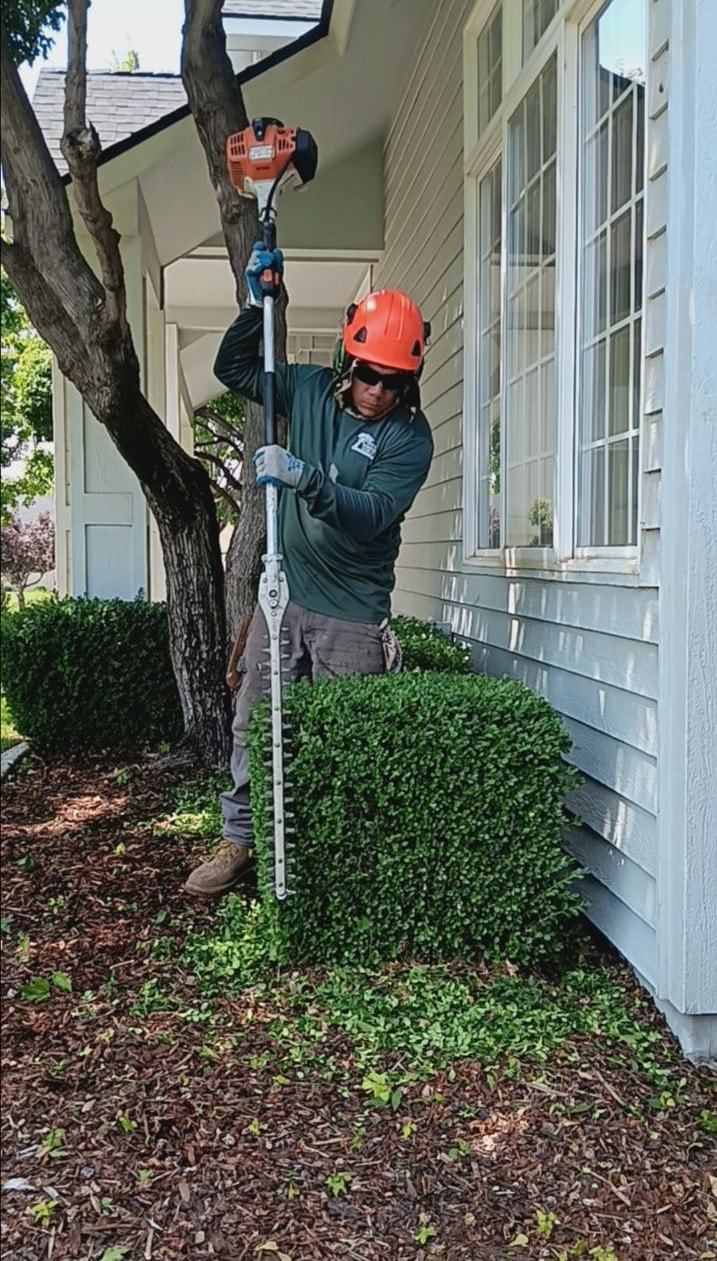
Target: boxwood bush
<point x="90" y="674"/>
<point x="428" y="817"/>
<point x="427" y="648"/>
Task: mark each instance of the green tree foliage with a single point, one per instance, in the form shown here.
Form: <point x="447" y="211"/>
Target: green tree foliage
<point x="30" y="27"/>
<point x="125" y="63"/>
<point x="26" y="403"/>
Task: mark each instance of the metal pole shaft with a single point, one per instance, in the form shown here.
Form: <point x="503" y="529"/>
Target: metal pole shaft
<point x="273" y="593"/>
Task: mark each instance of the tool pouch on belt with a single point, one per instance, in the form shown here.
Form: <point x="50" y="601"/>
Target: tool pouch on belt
<point x="236" y="668"/>
<point x="392" y="654"/>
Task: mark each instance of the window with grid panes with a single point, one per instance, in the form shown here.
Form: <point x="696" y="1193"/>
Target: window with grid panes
<point x="489" y="304"/>
<point x="537" y="16"/>
<point x="530" y="352"/>
<point x="490" y="68"/>
<point x="612" y="229"/>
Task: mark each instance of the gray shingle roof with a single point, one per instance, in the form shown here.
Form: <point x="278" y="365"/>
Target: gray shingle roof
<point x="306" y="10"/>
<point x="118" y="104"/>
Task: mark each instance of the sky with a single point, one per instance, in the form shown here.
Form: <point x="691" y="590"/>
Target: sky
<point x="153" y="28"/>
<point x="623" y="38"/>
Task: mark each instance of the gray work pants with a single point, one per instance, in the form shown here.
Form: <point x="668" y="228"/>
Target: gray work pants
<point x="313" y="645"/>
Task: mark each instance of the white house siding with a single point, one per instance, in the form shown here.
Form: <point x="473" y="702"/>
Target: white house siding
<point x="587" y="643"/>
<point x="687" y="819"/>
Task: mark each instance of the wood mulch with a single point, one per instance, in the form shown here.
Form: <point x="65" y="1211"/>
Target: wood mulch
<point x="126" y="1133"/>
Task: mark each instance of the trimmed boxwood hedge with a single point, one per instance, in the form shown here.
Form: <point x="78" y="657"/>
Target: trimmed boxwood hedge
<point x="90" y="674"/>
<point x="425" y="647"/>
<point x="428" y="817"/>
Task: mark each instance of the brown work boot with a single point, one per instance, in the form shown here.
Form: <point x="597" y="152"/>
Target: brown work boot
<point x="222" y="872"/>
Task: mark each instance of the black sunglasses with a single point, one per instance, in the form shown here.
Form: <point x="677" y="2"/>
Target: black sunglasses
<point x="392" y="381"/>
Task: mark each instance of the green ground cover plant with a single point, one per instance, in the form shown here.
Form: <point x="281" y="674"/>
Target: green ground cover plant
<point x="546" y="1109"/>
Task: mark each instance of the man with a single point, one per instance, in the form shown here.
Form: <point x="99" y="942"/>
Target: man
<point x="360" y="451"/>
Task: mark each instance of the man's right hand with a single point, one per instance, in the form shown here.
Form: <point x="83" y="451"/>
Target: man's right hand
<point x="261" y="260"/>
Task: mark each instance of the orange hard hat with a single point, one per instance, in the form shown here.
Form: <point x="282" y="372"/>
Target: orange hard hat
<point x="386" y="328"/>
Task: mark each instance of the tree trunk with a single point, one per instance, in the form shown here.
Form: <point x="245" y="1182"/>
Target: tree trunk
<point x="84" y="322"/>
<point x="247" y="542"/>
<point x="248" y="539"/>
<point x="179" y="495"/>
<point x="83" y="319"/>
<point x="217" y="105"/>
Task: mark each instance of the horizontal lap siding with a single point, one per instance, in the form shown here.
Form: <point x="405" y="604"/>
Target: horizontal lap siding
<point x="656" y="140"/>
<point x="589" y="647"/>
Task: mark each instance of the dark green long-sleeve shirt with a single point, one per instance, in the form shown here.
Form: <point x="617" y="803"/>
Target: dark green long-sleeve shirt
<point x="340" y="532"/>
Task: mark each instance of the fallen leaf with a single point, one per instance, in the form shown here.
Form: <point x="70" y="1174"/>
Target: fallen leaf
<point x="270" y="1245"/>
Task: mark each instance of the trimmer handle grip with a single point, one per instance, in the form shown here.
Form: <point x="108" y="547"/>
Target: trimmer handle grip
<point x="270" y="283"/>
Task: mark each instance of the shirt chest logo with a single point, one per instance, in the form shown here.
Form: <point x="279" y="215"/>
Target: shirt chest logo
<point x="365" y="445"/>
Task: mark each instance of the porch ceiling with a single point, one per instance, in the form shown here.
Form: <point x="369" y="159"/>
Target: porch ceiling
<point x="343" y="89"/>
<point x="199" y="298"/>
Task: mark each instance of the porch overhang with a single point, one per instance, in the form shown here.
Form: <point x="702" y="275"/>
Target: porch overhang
<point x="340" y="85"/>
<point x="338" y="80"/>
<point x="199" y="299"/>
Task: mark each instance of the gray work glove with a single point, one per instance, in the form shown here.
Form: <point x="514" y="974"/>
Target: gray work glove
<point x="277" y="467"/>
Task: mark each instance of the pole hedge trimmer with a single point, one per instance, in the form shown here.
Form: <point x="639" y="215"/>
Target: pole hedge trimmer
<point x="263" y="160"/>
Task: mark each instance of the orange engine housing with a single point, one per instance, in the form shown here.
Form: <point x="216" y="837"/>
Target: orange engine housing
<point x="257" y="160"/>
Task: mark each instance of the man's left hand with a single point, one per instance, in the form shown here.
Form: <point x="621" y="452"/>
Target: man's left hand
<point x="277" y="467"/>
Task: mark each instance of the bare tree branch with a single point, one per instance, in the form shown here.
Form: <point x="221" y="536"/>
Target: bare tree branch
<point x="224" y="494"/>
<point x="81" y="148"/>
<point x="217" y="104"/>
<point x="207" y="412"/>
<point x="38" y="207"/>
<point x="76" y="77"/>
<point x="219" y="463"/>
<point x="209" y="446"/>
<point x="56" y="325"/>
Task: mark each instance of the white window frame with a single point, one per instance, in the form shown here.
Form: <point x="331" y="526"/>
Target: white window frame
<point x="563" y="37"/>
<point x="626" y="553"/>
<point x="492" y="13"/>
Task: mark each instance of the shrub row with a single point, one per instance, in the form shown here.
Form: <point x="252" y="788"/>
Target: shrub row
<point x="428" y="805"/>
<point x="425" y="647"/>
<point x="90" y="674"/>
<point x="96" y="674"/>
